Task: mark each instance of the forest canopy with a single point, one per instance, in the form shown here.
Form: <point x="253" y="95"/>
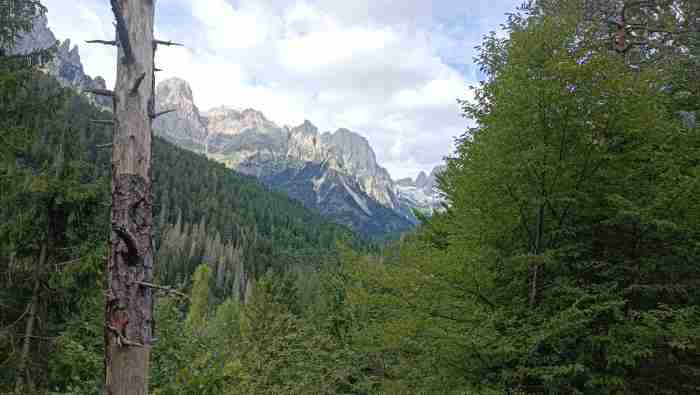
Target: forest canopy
<point x="564" y="262"/>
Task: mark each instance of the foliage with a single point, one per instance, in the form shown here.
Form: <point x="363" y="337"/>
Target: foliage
<point x="54" y="192"/>
<point x="564" y="262"/>
<point x="16" y="18"/>
<point x="199" y="304"/>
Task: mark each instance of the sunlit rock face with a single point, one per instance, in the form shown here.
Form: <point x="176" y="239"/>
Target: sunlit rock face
<point x="185" y="125"/>
<point x="422" y="194"/>
<point x="334" y="172"/>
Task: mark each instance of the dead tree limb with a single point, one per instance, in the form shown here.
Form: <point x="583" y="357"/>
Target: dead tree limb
<point x="161" y="288"/>
<point x="105" y="42"/>
<point x="159" y="113"/>
<point x="100" y="92"/>
<point x="167" y="43"/>
<point x="103" y="121"/>
<point x="137" y="83"/>
<point x="122" y="340"/>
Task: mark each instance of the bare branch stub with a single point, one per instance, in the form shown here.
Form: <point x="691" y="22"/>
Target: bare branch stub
<point x="167" y="43"/>
<point x="103" y="121"/>
<point x="105" y="42"/>
<point x="122" y="32"/>
<point x="122" y="341"/>
<point x="159" y="113"/>
<point x="100" y="92"/>
<point x="137" y="83"/>
<point x="161" y="288"/>
<point x="99" y="146"/>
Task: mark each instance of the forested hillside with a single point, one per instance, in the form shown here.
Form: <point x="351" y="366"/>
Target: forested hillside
<point x="54" y="201"/>
<point x="565" y="261"/>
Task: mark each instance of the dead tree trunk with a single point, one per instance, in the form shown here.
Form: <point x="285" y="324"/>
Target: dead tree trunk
<point x="129" y="299"/>
<point x="129" y="304"/>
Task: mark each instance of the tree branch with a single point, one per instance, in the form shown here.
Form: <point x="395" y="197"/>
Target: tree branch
<point x="162" y="288"/>
<point x="103" y="121"/>
<point x="523" y="215"/>
<point x="100" y="92"/>
<point x="137" y="83"/>
<point x="167" y="43"/>
<point x="157" y="114"/>
<point x="122" y="340"/>
<point x="105" y="42"/>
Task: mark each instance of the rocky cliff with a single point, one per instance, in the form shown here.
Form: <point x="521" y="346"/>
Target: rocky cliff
<point x="421" y="194"/>
<point x="184" y="127"/>
<point x="335" y="173"/>
<point x="66" y="66"/>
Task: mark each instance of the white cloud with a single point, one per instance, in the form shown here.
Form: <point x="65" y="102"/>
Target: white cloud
<point x="392" y="73"/>
<point x="229" y="28"/>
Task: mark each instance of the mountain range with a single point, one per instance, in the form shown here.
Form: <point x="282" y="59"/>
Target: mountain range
<point x="335" y="173"/>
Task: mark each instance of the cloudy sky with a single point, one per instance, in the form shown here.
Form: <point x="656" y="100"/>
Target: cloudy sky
<point x="390" y="70"/>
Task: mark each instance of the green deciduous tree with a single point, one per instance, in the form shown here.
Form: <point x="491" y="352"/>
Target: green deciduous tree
<point x="564" y="262"/>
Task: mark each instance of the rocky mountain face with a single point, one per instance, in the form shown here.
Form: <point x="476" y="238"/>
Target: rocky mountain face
<point x="334" y="172"/>
<point x="421" y="194"/>
<point x="185" y="127"/>
<point x="66" y="66"/>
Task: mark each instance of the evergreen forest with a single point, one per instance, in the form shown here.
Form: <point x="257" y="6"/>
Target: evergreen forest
<point x="566" y="259"/>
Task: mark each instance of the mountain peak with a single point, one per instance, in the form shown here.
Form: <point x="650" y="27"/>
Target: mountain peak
<point x="173" y="88"/>
<point x="421" y="180"/>
<point x="254" y="117"/>
<point x="40" y="37"/>
<point x="65" y="66"/>
<point x="306" y="128"/>
<point x="250" y="143"/>
<point x="185" y="125"/>
<point x="227" y="120"/>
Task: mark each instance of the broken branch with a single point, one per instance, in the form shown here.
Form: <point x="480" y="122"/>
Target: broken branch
<point x="104" y="145"/>
<point x="157" y="114"/>
<point x="105" y="42"/>
<point x="103" y="121"/>
<point x="167" y="43"/>
<point x="162" y="288"/>
<point x="122" y="340"/>
<point x="137" y="83"/>
<point x="100" y="92"/>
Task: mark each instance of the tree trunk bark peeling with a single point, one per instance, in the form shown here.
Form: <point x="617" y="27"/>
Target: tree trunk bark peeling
<point x="129" y="305"/>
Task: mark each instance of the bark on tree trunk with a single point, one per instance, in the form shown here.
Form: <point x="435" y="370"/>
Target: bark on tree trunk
<point x="24" y="378"/>
<point x="129" y="304"/>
